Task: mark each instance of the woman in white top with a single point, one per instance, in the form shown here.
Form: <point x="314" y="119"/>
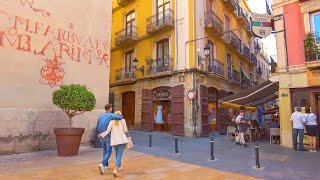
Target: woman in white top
<point x="311" y="126"/>
<point x="118" y="139"/>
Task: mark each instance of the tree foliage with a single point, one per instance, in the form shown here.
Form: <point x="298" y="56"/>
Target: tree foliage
<point x="74" y="99"/>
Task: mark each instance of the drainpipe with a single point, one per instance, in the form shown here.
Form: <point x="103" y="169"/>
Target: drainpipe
<point x="194" y="102"/>
<point x="177" y="35"/>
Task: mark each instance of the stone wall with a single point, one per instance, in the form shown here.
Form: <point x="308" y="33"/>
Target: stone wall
<point x="44" y="44"/>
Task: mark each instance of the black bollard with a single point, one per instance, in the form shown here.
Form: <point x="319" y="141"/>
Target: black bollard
<point x="211" y="149"/>
<point x="176" y="145"/>
<point x="257" y="155"/>
<point x="150" y="139"/>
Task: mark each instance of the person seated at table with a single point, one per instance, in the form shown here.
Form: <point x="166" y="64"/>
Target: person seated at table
<point x="275" y="124"/>
<point x="255" y="124"/>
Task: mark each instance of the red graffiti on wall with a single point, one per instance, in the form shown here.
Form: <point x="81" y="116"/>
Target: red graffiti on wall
<point x="52" y="73"/>
<point x="30" y="3"/>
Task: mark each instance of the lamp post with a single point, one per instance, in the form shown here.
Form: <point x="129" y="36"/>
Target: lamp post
<point x="135" y="65"/>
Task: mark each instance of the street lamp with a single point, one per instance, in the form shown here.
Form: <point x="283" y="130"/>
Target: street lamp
<point x="135" y="65"/>
<point x="207" y="50"/>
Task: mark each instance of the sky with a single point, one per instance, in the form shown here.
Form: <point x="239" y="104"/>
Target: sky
<point x="259" y="6"/>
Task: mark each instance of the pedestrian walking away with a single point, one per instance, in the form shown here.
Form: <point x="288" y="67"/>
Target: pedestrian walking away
<point x="298" y="120"/>
<point x="119" y="139"/>
<point x="102" y="124"/>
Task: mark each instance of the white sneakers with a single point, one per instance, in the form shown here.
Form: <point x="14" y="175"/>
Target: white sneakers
<point x="107" y="167"/>
<point x="101" y="169"/>
<point x="115" y="173"/>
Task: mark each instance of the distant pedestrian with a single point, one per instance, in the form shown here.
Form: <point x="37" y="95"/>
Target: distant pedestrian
<point x="242" y="127"/>
<point x="298" y="120"/>
<point x="311" y="126"/>
<point x="102" y="124"/>
<point x="118" y="131"/>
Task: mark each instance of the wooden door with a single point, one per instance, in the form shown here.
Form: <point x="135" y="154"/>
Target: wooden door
<point x="128" y="108"/>
<point x="204" y="111"/>
<point x="146" y="110"/>
<point x="111" y="100"/>
<point x="177" y="110"/>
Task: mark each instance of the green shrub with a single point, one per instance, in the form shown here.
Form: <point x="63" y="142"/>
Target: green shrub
<point x="74" y="99"/>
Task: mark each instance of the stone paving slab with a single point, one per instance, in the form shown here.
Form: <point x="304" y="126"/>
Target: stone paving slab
<point x="46" y="165"/>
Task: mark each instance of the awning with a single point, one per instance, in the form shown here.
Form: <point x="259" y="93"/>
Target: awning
<point x="254" y="96"/>
<point x="245" y="73"/>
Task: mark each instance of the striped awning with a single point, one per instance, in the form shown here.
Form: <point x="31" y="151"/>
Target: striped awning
<point x="254" y="96"/>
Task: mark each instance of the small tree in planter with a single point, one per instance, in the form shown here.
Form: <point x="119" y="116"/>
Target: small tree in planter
<point x="311" y="47"/>
<point x="74" y="100"/>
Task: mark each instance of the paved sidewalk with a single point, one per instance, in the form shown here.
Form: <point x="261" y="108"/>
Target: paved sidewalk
<point x="277" y="162"/>
<point x="46" y="165"/>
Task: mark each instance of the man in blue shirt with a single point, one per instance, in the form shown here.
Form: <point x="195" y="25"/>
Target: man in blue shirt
<point x="102" y="126"/>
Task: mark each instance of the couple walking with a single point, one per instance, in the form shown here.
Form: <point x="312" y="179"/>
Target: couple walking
<point x="114" y="123"/>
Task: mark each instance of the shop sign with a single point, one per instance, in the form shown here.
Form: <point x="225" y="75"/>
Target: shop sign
<point x="162" y="94"/>
<point x="261" y="25"/>
<point x="313" y="77"/>
<point x="212" y="97"/>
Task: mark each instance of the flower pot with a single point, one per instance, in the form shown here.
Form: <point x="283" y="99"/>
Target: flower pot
<point x="68" y="140"/>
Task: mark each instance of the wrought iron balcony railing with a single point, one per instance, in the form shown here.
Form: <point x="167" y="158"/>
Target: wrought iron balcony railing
<point x="230" y="4"/>
<point x="232" y="39"/>
<point x="123" y="74"/>
<point x="254" y="59"/>
<point x="160" y="65"/>
<point x="126" y="36"/>
<point x="241" y="16"/>
<point x="160" y="22"/>
<point x="245" y="51"/>
<point x="236" y="76"/>
<point x="216" y="67"/>
<point x="246" y="82"/>
<point x="213" y="23"/>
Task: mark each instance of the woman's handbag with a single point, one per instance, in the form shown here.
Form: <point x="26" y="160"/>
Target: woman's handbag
<point x="129" y="144"/>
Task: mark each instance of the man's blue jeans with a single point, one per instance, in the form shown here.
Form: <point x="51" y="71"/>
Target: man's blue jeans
<point x="295" y="133"/>
<point x="107" y="150"/>
<point x="119" y="152"/>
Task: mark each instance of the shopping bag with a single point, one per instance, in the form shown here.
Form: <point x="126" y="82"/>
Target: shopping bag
<point x="129" y="144"/>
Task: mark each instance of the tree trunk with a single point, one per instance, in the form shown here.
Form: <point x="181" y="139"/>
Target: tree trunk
<point x="70" y="122"/>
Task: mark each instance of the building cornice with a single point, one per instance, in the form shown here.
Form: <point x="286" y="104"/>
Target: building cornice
<point x="283" y="3"/>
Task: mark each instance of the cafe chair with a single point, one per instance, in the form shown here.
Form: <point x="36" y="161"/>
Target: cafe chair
<point x="230" y="130"/>
<point x="274" y="132"/>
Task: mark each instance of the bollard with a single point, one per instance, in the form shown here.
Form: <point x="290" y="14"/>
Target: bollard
<point x="211" y="149"/>
<point x="257" y="155"/>
<point x="150" y="139"/>
<point x="176" y="145"/>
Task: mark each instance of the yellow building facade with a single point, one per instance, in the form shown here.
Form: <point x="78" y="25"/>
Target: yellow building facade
<point x="164" y="50"/>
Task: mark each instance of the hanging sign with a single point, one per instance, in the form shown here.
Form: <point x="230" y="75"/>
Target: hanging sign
<point x="261" y="25"/>
<point x="191" y="95"/>
<point x="162" y="94"/>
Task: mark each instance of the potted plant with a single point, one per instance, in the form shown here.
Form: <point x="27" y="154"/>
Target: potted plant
<point x="74" y="100"/>
<point x="311" y="47"/>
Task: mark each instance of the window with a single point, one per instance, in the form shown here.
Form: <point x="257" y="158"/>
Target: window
<point x="162" y="12"/>
<point x="226" y="24"/>
<point x="210" y="5"/>
<point x="163" y="52"/>
<point x="229" y="65"/>
<point x="129" y="61"/>
<point x="315" y="24"/>
<point x="130" y="22"/>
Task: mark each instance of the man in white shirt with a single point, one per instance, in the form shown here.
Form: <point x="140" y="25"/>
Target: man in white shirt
<point x="298" y="120"/>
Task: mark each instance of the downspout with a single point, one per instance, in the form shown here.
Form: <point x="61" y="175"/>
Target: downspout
<point x="177" y="35"/>
<point x="194" y="102"/>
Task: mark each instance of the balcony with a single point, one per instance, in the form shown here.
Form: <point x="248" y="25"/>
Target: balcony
<point x="126" y="36"/>
<point x="160" y="22"/>
<point x="231" y="5"/>
<point x="242" y="19"/>
<point x="245" y="52"/>
<point x="213" y="24"/>
<point x="124" y="2"/>
<point x="160" y="66"/>
<point x="313" y="58"/>
<point x="235" y="76"/>
<point x="254" y="59"/>
<point x="122" y="74"/>
<point x="245" y="82"/>
<point x="216" y="67"/>
<point x="232" y="40"/>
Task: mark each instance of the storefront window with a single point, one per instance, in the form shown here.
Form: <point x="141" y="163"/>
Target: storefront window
<point x="301" y="98"/>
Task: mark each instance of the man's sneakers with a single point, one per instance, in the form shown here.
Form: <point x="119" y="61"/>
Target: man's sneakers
<point x="115" y="173"/>
<point x="107" y="167"/>
<point x="101" y="169"/>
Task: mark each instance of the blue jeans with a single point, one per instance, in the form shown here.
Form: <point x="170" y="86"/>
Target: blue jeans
<point x="295" y="133"/>
<point x="107" y="150"/>
<point x="119" y="152"/>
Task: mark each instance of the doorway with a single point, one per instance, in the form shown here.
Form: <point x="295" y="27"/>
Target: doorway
<point x="128" y="108"/>
<point x="161" y="110"/>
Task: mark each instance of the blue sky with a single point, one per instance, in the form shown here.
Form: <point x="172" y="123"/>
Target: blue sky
<point x="259" y="6"/>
